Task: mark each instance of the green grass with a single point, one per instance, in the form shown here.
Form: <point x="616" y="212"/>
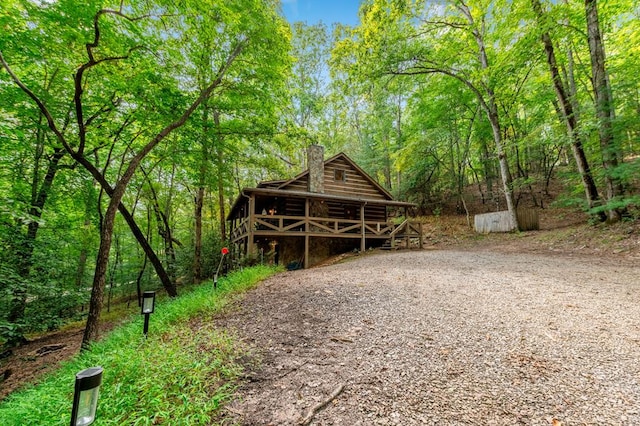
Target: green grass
<point x="180" y="375"/>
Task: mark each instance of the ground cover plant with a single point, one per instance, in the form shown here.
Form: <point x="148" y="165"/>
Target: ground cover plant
<point x="179" y="374"/>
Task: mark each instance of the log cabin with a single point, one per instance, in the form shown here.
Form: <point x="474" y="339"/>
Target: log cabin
<point x="332" y="207"/>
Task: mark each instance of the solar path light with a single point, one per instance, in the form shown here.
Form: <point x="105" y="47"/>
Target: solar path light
<point x="85" y="397"/>
<point x="148" y="306"/>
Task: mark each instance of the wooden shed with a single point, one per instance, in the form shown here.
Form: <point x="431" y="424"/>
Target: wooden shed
<point x="332" y="207"/>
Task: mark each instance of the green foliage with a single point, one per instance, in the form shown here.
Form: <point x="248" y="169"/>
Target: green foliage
<point x="630" y="204"/>
<point x="11" y="331"/>
<point x="147" y="63"/>
<point x="211" y="255"/>
<point x="433" y="49"/>
<point x="53" y="297"/>
<point x="181" y="374"/>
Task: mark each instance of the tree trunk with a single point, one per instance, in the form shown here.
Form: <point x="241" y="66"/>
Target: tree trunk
<point x="604" y="107"/>
<point x="387" y="164"/>
<point x="102" y="261"/>
<point x="487" y="170"/>
<point x="491" y="109"/>
<point x="144" y="263"/>
<point x="507" y="181"/>
<point x="221" y="201"/>
<point x="220" y="166"/>
<point x="197" y="252"/>
<point x="568" y="114"/>
<point x="113" y="273"/>
<point x="200" y="194"/>
<point x="163" y="275"/>
<point x="164" y="230"/>
<point x="399" y="140"/>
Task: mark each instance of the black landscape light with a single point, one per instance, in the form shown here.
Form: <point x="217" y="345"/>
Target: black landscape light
<point x="148" y="306"/>
<point x="85" y="397"/>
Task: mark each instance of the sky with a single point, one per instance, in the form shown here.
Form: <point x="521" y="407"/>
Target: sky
<point x="327" y="11"/>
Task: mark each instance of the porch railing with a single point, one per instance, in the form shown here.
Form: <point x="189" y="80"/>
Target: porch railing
<point x="300" y="225"/>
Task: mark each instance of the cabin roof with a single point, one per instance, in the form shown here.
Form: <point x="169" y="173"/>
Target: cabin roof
<point x="278" y="188"/>
<point x="341" y="156"/>
<point x="271" y="183"/>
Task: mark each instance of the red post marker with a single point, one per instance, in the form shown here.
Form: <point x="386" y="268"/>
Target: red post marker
<point x="224" y="251"/>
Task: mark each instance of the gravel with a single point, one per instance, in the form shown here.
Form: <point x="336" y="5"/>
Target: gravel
<point x="447" y="337"/>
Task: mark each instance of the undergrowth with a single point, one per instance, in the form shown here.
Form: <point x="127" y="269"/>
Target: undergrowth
<point x="180" y="374"/>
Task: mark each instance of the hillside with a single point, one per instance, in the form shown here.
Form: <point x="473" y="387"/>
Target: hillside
<point x="562" y="231"/>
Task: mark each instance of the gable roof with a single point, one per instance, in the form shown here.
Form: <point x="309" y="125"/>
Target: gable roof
<point x="301" y="179"/>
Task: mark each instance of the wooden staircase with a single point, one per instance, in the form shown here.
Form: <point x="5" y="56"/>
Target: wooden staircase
<point x="387" y="246"/>
<point x="406" y="235"/>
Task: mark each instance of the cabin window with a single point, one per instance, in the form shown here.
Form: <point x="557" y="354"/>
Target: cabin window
<point x="339" y="175"/>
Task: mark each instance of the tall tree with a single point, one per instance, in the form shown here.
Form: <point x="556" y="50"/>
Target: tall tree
<point x="567" y="109"/>
<point x="120" y="38"/>
<point x="406" y="38"/>
<point x="604" y="107"/>
<point x="242" y="115"/>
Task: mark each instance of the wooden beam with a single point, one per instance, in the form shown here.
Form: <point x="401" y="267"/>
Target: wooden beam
<point x="363" y="241"/>
<point x="313" y="234"/>
<point x="306" y="233"/>
<point x="250" y="225"/>
<point x="407" y="241"/>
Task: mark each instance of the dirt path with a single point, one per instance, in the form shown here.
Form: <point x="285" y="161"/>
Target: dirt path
<point x="444" y="337"/>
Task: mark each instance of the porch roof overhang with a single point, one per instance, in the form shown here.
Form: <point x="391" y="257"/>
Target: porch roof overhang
<point x="311" y="195"/>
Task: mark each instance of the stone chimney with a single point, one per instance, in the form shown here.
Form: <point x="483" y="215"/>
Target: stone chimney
<point x="315" y="162"/>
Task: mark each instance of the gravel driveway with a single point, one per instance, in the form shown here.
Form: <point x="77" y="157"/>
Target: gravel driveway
<point x="443" y="337"/>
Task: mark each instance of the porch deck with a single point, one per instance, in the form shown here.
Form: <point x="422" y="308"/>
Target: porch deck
<point x="259" y="225"/>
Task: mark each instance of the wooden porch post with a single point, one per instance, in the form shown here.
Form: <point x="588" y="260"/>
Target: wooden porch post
<point x="306" y="233"/>
<point x="407" y="241"/>
<point x="252" y="202"/>
<point x="363" y="239"/>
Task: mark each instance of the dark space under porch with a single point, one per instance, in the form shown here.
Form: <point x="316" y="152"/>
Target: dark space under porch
<point x="289" y="251"/>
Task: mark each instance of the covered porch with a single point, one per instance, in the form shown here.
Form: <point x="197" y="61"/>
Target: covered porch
<point x="298" y="220"/>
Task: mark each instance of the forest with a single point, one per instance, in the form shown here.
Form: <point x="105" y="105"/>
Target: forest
<point x="128" y="128"/>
